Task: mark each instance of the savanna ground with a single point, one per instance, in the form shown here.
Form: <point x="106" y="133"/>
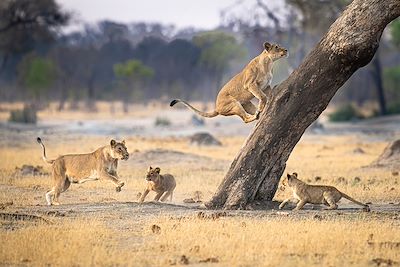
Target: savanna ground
<point x="97" y="226"/>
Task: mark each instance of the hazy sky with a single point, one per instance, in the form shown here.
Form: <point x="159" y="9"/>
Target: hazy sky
<point x="182" y="13"/>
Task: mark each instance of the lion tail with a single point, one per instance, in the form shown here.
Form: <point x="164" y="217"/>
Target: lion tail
<point x="50" y="161"/>
<point x="353" y="200"/>
<point x="201" y="113"/>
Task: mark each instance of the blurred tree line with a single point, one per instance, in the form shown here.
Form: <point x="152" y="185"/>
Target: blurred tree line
<point x="138" y="62"/>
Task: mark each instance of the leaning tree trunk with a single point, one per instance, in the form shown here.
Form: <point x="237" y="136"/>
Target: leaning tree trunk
<point x="292" y="106"/>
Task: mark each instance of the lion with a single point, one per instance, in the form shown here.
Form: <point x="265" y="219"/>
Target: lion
<point x="314" y="194"/>
<point x="253" y="81"/>
<point x="160" y="184"/>
<point x="80" y="168"/>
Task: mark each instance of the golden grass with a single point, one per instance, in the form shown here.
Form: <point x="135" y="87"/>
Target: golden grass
<point x="109" y="240"/>
<point x="277" y="242"/>
<point x="63" y="244"/>
<point x="232" y="241"/>
<point x="330" y="158"/>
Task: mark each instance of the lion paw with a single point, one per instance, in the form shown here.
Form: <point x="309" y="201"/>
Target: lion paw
<point x="118" y="189"/>
<point x="120" y="185"/>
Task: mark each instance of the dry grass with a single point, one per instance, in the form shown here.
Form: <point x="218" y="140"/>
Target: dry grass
<point x="99" y="239"/>
<point x="331" y="158"/>
<point x="70" y="243"/>
<point x="277" y="242"/>
<point x="237" y="241"/>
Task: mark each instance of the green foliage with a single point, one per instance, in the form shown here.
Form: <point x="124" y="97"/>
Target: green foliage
<point x="344" y="113"/>
<point x="163" y="122"/>
<point x="394" y="107"/>
<point x="132" y="74"/>
<point x="218" y="50"/>
<point x="391" y="77"/>
<point x="26" y="115"/>
<point x="37" y="74"/>
<point x="25" y="23"/>
<point x="133" y="69"/>
<point x="395" y="32"/>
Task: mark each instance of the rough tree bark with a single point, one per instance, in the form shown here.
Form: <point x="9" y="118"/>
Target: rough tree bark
<point x="294" y="104"/>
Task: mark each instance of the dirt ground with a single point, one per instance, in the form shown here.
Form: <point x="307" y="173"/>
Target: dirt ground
<point x="97" y="226"/>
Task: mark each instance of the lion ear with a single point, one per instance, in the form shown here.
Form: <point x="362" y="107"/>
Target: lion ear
<point x="295" y="174"/>
<point x="288" y="176"/>
<point x="150" y="168"/>
<point x="123" y="142"/>
<point x="267" y="46"/>
<point x="112" y="143"/>
<point x="157" y="170"/>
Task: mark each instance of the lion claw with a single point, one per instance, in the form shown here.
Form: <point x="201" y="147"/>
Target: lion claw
<point x="118" y="188"/>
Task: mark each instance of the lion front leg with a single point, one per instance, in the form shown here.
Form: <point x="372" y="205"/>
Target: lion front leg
<point x="262" y="98"/>
<point x="144" y="195"/>
<point x="113" y="179"/>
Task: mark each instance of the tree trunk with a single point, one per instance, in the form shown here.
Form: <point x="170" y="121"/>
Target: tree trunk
<point x="377" y="75"/>
<point x="91" y="99"/>
<point x="292" y="106"/>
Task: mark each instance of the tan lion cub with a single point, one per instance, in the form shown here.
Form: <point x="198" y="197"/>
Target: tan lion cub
<point x="160" y="184"/>
<point x="314" y="194"/>
<point x="79" y="168"/>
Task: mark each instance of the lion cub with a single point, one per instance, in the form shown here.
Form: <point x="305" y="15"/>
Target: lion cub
<point x="79" y="168"/>
<point x="160" y="184"/>
<point x="254" y="81"/>
<point x="314" y="194"/>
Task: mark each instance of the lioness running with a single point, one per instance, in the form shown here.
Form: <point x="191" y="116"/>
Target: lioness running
<point x="253" y="81"/>
<point x="160" y="184"/>
<point x="80" y="168"/>
<point x="314" y="194"/>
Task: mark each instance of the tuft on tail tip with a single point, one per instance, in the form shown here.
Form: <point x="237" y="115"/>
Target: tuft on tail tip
<point x="39" y="140"/>
<point x="173" y="102"/>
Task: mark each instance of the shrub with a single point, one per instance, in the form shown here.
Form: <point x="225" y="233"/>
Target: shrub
<point x="161" y="121"/>
<point x="26" y="115"/>
<point x="345" y="113"/>
<point x="394" y="108"/>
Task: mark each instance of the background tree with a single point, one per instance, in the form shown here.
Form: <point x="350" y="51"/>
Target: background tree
<point x="392" y="74"/>
<point x="218" y="51"/>
<point x="395" y="32"/>
<point x="37" y="74"/>
<point x="132" y="75"/>
<point x="25" y="25"/>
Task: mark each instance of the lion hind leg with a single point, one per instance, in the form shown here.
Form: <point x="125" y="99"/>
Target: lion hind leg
<point x="49" y="197"/>
<point x="330" y="200"/>
<point x="166" y="195"/>
<point x="237" y="109"/>
<point x="61" y="187"/>
<point x="249" y="108"/>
